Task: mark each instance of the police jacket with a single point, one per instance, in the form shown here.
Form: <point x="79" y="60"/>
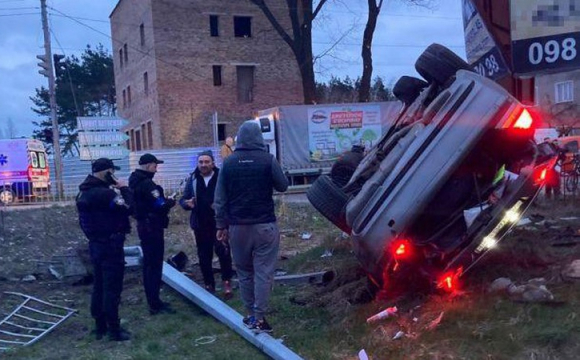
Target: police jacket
<point x="150" y="202"/>
<point x="202" y="215"/>
<point x="247" y="180"/>
<point x="102" y="211"/>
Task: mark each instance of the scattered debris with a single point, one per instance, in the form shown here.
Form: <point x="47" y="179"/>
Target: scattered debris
<point x="500" y="284"/>
<point x="398" y="335"/>
<point x="178" y="261"/>
<point x="362" y="355"/>
<point x="29" y="278"/>
<point x="435" y="322"/>
<point x="322" y="277"/>
<point x="388" y="312"/>
<point x="524" y="222"/>
<point x="572" y="270"/>
<point x="279" y="272"/>
<point x="305" y="235"/>
<point x="204" y="340"/>
<point x="30" y="321"/>
<point x="133" y="256"/>
<point x="569" y="218"/>
<point x="327" y="253"/>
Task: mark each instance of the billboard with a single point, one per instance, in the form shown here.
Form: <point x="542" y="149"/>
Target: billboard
<point x="545" y="35"/>
<point x="332" y="130"/>
<point x="480" y="47"/>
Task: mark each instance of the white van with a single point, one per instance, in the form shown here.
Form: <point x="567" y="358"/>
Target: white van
<point x="24" y="171"/>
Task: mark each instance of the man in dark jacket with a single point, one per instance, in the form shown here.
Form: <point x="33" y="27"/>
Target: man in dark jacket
<point x="198" y="196"/>
<point x="104" y="206"/>
<point x="151" y="211"/>
<point x="245" y="213"/>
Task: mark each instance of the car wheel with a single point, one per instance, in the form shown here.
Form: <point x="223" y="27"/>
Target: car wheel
<point x="6" y="196"/>
<point x="345" y="166"/>
<point x="329" y="200"/>
<point x="408" y="88"/>
<point x="438" y="64"/>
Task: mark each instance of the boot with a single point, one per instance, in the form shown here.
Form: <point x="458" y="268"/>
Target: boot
<point x="117" y="333"/>
<point x="100" y="328"/>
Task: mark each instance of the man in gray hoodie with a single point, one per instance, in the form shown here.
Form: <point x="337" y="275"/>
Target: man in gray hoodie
<point x="245" y="214"/>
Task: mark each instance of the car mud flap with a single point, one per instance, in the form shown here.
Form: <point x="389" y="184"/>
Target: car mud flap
<point x="494" y="221"/>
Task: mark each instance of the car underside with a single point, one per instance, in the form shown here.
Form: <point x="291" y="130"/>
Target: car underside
<point x="445" y="183"/>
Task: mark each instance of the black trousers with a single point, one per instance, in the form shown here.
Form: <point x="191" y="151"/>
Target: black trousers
<point x="108" y="262"/>
<point x="207" y="243"/>
<point x="153" y="246"/>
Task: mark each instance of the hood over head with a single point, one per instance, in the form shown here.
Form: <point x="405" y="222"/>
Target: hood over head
<point x="250" y="137"/>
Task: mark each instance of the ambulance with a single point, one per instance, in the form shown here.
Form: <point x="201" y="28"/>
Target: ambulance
<point x="24" y="172"/>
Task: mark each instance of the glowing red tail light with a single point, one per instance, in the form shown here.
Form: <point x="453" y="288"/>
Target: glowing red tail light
<point x="401" y="249"/>
<point x="449" y="281"/>
<point x="524" y="121"/>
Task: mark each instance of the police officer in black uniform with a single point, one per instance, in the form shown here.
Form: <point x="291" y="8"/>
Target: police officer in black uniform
<point x="104" y="206"/>
<point x="151" y="211"/>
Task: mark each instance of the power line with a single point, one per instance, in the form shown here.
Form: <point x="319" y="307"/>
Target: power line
<point x="19" y="14"/>
<point x="20" y="8"/>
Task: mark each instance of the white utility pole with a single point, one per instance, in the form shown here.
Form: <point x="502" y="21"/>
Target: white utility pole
<point x="49" y="73"/>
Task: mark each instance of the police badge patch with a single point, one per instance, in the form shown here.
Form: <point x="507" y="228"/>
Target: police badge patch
<point x="155" y="193"/>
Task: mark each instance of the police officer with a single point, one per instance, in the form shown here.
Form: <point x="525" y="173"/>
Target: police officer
<point x="104" y="206"/>
<point x="151" y="211"/>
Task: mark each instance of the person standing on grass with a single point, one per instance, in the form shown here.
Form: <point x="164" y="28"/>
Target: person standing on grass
<point x="152" y="214"/>
<point x="198" y="197"/>
<point x="245" y="214"/>
<point x="104" y="205"/>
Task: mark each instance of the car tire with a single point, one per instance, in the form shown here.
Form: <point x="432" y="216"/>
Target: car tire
<point x="408" y="88"/>
<point x="345" y="166"/>
<point x="6" y="196"/>
<point x="439" y="64"/>
<point x="330" y="201"/>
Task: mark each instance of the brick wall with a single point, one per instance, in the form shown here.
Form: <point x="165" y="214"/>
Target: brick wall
<point x="179" y="57"/>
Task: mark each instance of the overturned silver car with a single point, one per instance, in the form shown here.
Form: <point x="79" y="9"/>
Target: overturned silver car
<point x="444" y="184"/>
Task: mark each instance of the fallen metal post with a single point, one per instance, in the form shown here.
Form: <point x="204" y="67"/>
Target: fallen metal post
<point x="225" y="314"/>
<point x="322" y="277"/>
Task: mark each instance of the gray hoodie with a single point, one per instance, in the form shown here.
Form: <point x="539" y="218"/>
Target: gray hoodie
<point x="243" y="195"/>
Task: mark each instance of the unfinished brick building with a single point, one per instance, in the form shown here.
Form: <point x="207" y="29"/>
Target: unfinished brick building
<point x="179" y="61"/>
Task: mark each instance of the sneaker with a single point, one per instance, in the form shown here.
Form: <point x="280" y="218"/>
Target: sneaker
<point x="163" y="308"/>
<point x="228" y="294"/>
<point x="261" y="326"/>
<point x="119" y="334"/>
<point x="249" y="321"/>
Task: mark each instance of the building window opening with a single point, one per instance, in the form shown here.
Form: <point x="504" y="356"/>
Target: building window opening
<point x="146" y="83"/>
<point x="142" y="34"/>
<point x="243" y="26"/>
<point x="138" y="140"/>
<point x="564" y="91"/>
<point x="129" y="96"/>
<point x="121" y="57"/>
<point x="126" y="54"/>
<point x="217" y="75"/>
<point x="221" y="132"/>
<point x="124" y="99"/>
<point x="245" y="75"/>
<point x="149" y="135"/>
<point x="214" y="25"/>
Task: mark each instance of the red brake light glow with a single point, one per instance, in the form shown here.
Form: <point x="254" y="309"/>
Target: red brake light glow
<point x="524" y="121"/>
<point x="401" y="249"/>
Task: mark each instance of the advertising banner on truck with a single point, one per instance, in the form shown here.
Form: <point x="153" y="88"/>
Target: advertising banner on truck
<point x="545" y="35"/>
<point x="480" y="47"/>
<point x="335" y="129"/>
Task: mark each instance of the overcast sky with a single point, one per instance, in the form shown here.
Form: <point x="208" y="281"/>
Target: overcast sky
<point x="402" y="34"/>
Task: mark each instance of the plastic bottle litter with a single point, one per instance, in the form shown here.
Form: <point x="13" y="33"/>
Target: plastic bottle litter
<point x="398" y="335"/>
<point x="383" y="314"/>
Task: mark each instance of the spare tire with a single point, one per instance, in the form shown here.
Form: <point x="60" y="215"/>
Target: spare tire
<point x="439" y="64"/>
<point x="408" y="88"/>
<point x="330" y="201"/>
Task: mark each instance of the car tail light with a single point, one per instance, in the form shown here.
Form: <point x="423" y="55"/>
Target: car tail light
<point x="524" y="121"/>
<point x="520" y="118"/>
<point x="449" y="281"/>
<point x="29" y="172"/>
<point x="401" y="249"/>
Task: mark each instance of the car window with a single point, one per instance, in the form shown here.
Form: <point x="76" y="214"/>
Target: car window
<point x="41" y="160"/>
<point x="34" y="159"/>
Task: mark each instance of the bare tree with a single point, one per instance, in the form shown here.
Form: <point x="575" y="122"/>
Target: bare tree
<point x="374" y="8"/>
<point x="300" y="41"/>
